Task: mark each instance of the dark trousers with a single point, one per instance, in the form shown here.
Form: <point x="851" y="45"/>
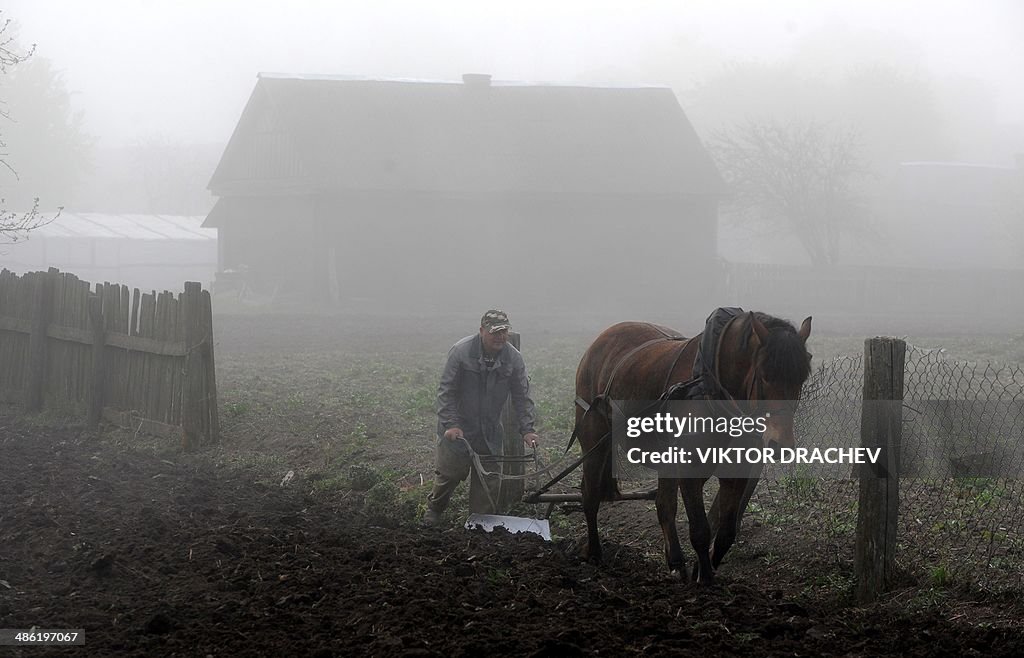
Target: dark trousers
<point x="452" y="468"/>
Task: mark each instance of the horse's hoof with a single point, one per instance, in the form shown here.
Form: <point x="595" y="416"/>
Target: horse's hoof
<point x="589" y="555"/>
<point x="677" y="575"/>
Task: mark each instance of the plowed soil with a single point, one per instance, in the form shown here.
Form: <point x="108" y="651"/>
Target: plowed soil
<point x="177" y="557"/>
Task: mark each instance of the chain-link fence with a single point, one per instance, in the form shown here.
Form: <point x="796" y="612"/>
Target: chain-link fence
<point x="961" y="510"/>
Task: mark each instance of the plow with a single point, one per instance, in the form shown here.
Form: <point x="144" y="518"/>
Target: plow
<point x="540" y="495"/>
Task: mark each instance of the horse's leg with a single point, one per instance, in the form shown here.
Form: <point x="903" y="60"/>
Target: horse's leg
<point x="596" y="482"/>
<point x="591" y="504"/>
<point x="667" y="503"/>
<point x="700" y="531"/>
<point x="731" y="500"/>
<point x="714" y="515"/>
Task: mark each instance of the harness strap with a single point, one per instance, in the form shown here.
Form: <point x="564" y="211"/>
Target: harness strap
<point x="675" y="362"/>
<point x="713" y="371"/>
<point x="635" y="350"/>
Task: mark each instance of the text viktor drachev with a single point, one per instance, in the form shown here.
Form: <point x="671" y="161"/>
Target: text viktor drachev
<point x="754" y="455"/>
<point x="726" y="438"/>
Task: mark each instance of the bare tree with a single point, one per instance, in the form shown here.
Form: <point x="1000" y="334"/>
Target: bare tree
<point x="15" y="226"/>
<point x="10" y="56"/>
<point x="800" y="177"/>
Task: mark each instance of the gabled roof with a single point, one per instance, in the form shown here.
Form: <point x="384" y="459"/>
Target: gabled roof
<point x="320" y="133"/>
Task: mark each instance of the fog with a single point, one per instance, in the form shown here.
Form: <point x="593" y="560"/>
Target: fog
<point x="185" y="69"/>
<point x="929" y="91"/>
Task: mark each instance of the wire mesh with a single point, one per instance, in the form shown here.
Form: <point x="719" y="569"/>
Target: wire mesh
<point x="961" y="510"/>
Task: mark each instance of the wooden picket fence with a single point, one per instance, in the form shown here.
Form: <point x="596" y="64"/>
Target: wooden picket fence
<point x="143" y="361"/>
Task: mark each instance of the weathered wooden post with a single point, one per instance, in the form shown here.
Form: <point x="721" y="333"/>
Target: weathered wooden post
<point x="880" y="427"/>
<point x="42" y="301"/>
<point x="193" y="378"/>
<point x="99" y="341"/>
<point x="511" y="490"/>
<point x="210" y="399"/>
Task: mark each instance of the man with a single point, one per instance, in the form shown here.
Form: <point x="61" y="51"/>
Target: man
<point x="481" y="372"/>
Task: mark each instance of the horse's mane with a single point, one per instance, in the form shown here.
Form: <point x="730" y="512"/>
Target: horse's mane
<point x="784" y="357"/>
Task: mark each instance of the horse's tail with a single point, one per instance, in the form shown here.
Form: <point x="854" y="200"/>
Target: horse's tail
<point x="593" y="428"/>
<point x="585" y="407"/>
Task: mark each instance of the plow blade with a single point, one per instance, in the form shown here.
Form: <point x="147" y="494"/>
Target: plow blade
<point x="513" y="524"/>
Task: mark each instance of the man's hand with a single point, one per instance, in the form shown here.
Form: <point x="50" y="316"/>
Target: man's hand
<point x="453" y="433"/>
<point x="531" y="439"/>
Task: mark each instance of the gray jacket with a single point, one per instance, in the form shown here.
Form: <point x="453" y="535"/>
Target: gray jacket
<point x="471" y="394"/>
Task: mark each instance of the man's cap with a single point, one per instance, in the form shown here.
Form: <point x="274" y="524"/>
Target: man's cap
<point x="495" y="320"/>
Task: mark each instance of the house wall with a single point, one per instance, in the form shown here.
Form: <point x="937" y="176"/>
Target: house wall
<point x="273" y="241"/>
<point x="430" y="252"/>
<point x="533" y="252"/>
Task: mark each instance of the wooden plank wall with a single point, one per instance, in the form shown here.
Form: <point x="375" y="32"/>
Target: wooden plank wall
<point x="146" y="362"/>
<point x="14" y="305"/>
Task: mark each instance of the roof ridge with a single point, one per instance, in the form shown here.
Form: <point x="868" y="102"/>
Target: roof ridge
<point x="342" y="77"/>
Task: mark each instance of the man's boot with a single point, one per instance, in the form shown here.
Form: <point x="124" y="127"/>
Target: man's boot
<point x="431" y="517"/>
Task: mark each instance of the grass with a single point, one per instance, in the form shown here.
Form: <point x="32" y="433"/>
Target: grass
<point x="237" y="409"/>
<point x="832" y="585"/>
<point x="979" y="491"/>
<point x="421" y="400"/>
<point x="841" y="523"/>
<point x="799" y="487"/>
<point x="940" y="576"/>
<point x="58" y="413"/>
<point x="496" y="576"/>
<point x="929" y="598"/>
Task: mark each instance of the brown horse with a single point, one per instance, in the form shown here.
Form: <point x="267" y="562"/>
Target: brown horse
<point x="759" y="358"/>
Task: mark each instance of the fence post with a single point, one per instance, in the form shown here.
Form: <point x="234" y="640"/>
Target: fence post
<point x="193" y="377"/>
<point x="99" y="341"/>
<point x="511" y="490"/>
<point x="210" y="399"/>
<point x="880" y="427"/>
<point x="42" y="308"/>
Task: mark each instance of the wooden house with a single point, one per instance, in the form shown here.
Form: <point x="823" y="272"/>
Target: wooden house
<point x="476" y="193"/>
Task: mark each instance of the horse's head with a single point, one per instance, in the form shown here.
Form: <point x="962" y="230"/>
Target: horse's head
<point x="772" y="371"/>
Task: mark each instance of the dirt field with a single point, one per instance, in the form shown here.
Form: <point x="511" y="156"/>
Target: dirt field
<point x="157" y="552"/>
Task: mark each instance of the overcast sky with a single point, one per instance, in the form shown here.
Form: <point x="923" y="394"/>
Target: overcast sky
<point x="184" y="69"/>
